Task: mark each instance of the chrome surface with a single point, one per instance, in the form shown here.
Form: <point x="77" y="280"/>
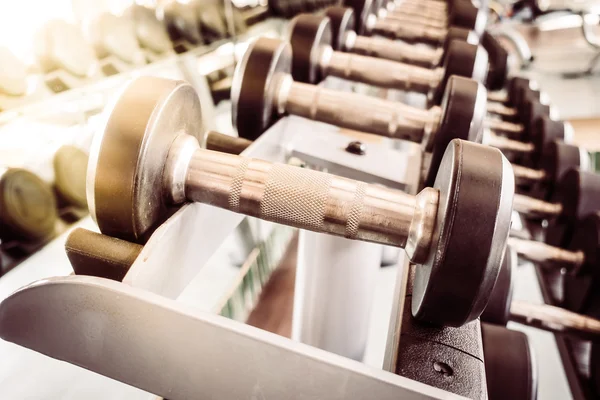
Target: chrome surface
<point x="543" y="253"/>
<point x="555" y="319"/>
<point x="530" y="206"/>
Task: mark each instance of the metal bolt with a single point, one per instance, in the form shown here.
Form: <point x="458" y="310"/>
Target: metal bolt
<point x="442" y="368"/>
<point x="356" y="147"/>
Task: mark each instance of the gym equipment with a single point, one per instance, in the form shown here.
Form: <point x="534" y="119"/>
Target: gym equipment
<point x="575" y="196"/>
<point x="502" y="308"/>
<point x="151" y="33"/>
<point x="345" y="38"/>
<point x="70" y="164"/>
<point x="367" y="24"/>
<point x="475" y="184"/>
<point x="510" y="365"/>
<point x="27" y="206"/>
<point x="64" y="56"/>
<point x="313" y="59"/>
<point x="260" y="94"/>
<point x="556" y="158"/>
<point x="115" y="42"/>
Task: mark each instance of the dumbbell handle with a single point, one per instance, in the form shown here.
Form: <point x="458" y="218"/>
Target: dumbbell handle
<point x="524" y="174"/>
<point x="530" y="206"/>
<point x="500" y="109"/>
<point x="406" y="31"/>
<point x="227" y="144"/>
<point x="439" y="14"/>
<point x="354" y="111"/>
<point x="302" y="198"/>
<point x="544" y="253"/>
<point x="508" y="128"/>
<point x="506" y="144"/>
<point x="435" y="5"/>
<point x="380" y="72"/>
<point x="418" y="18"/>
<point x="393" y="50"/>
<point x="555" y="319"/>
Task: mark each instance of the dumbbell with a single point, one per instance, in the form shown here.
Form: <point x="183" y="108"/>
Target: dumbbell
<point x="576" y="194"/>
<point x="70" y="165"/>
<point x="115" y="37"/>
<point x="510" y="364"/>
<point x="346" y="37"/>
<point x="462" y="13"/>
<point x="556" y="158"/>
<point x="313" y="59"/>
<point x="264" y="89"/>
<point x="405" y="31"/>
<point x="501" y="308"/>
<point x="456" y="230"/>
<point x="63" y="55"/>
<point x="27" y="207"/>
<point x="150" y="32"/>
<point x="315" y="56"/>
<point x="182" y="25"/>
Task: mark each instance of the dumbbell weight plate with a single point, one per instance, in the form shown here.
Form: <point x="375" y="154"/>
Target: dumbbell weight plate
<point x="70" y="165"/>
<point x="182" y="22"/>
<point x="342" y="20"/>
<point x="497" y="310"/>
<point x="308" y="35"/>
<point x="149" y="30"/>
<point x="544" y="131"/>
<point x="27" y="206"/>
<point x="60" y="45"/>
<point x="463" y="108"/>
<point x="133" y="169"/>
<point x="469" y="236"/>
<point x="579" y="194"/>
<point x="579" y="286"/>
<point x="212" y="21"/>
<point x="462" y="59"/>
<point x="510" y="367"/>
<point x="252" y="112"/>
<point x="498" y="58"/>
<point x="556" y="159"/>
<point x="114" y="35"/>
<point x="362" y="10"/>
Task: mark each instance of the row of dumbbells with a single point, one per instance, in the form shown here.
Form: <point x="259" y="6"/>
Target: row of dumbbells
<point x="33" y="211"/>
<point x="561" y="180"/>
<point x="455" y="229"/>
<point x="69" y="56"/>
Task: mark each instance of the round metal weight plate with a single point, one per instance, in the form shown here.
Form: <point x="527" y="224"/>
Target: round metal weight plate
<point x="125" y="180"/>
<point x="464" y="107"/>
<point x="255" y="79"/>
<point x="510" y="367"/>
<point x="497" y="310"/>
<point x="557" y="158"/>
<point x="27" y="206"/>
<point x="582" y="283"/>
<point x="579" y="194"/>
<point x="70" y="166"/>
<point x="309" y="35"/>
<point x="362" y="10"/>
<point x="342" y="20"/>
<point x="476" y="186"/>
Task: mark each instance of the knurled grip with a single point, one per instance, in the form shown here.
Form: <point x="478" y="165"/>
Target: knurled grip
<point x="295" y="196"/>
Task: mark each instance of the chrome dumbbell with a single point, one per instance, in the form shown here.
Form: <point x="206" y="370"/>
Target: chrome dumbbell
<point x="471" y="197"/>
<point x="263" y="89"/>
